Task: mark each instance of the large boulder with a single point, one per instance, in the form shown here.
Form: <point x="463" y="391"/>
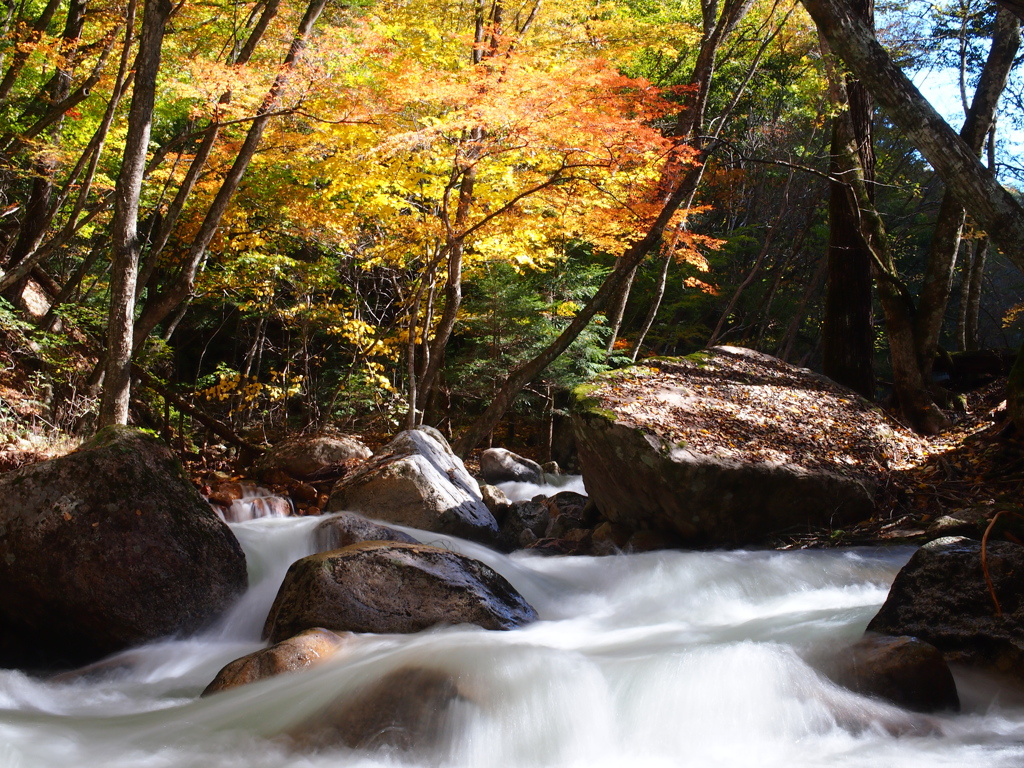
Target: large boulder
<point x="391" y="587"/>
<point x="309" y="456"/>
<point x="105" y="548"/>
<point x="417" y="480"/>
<point x="304" y="650"/>
<point x="941" y="596"/>
<point x="729" y="447"/>
<point x="498" y="465"/>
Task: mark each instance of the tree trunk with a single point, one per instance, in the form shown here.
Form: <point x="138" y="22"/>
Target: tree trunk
<point x="914" y="398"/>
<point x="938" y="278"/>
<point x="617" y="309"/>
<point x="848" y="343"/>
<point x="124" y="237"/>
<point x="973" y="310"/>
<point x="988" y="203"/>
<point x="163" y="303"/>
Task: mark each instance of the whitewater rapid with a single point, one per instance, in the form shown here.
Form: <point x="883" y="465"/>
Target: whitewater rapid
<point x="665" y="659"/>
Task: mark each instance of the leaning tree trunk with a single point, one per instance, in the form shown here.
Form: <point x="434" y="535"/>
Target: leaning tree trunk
<point x="124" y="237"/>
<point x="525" y="373"/>
<point x="163" y="303"/>
<point x="992" y="206"/>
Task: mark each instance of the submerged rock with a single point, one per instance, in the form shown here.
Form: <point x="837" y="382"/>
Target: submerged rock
<point x="901" y="670"/>
<point x="105" y="548"/>
<point x="299" y="652"/>
<point x="417" y="480"/>
<point x="498" y="465"/>
<point x="391" y="587"/>
<point x="720" y="448"/>
<point x="348" y="528"/>
<point x="309" y="456"/>
<point x="941" y="597"/>
<point x="405" y="710"/>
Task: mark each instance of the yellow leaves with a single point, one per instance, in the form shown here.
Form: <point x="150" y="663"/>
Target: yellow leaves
<point x="1012" y="315"/>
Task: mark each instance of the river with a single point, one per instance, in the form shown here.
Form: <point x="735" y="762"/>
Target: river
<point x="698" y="659"/>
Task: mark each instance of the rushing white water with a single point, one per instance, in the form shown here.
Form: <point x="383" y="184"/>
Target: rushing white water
<point x="654" y="660"/>
<point x="552" y="484"/>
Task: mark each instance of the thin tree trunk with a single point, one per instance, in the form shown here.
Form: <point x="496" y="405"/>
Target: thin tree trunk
<point x="659" y="294"/>
<point x="971" y="336"/>
<point x="938" y="279"/>
<point x="786" y="345"/>
<point x="617" y="309"/>
<point x="116" y="391"/>
<point x="164" y="302"/>
<point x="525" y="373"/>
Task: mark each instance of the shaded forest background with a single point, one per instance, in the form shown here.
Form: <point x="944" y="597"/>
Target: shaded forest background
<point x="368" y="215"/>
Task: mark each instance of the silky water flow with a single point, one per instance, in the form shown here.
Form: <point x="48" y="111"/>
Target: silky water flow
<point x="698" y="659"/>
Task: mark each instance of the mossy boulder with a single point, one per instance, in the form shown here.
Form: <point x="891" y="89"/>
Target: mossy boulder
<point x="392" y="587"/>
<point x="105" y="548"/>
<point x="729" y="447"/>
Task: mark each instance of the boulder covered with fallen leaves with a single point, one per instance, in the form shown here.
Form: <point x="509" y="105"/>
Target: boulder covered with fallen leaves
<point x="942" y="597"/>
<point x="731" y="447"/>
<point x="106" y="548"/>
<point x="392" y="587"/>
<point x="417" y="480"/>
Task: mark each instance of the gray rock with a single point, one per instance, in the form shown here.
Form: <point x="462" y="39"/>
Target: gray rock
<point x="498" y="465"/>
<point x="901" y="670"/>
<point x="106" y="548"/>
<point x="640" y="480"/>
<point x="390" y="587"/>
<point x="348" y="528"/>
<point x="308" y="456"/>
<point x="417" y="480"/>
<point x="941" y="597"/>
<point x="299" y="652"/>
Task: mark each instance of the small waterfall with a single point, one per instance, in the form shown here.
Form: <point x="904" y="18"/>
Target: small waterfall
<point x="254" y="503"/>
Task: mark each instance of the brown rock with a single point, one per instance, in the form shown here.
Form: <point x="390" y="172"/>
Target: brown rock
<point x="902" y="670"/>
<point x="307" y="456"/>
<point x="347" y="528"/>
<point x="404" y="710"/>
<point x="304" y="650"/>
<point x="941" y="597"/>
<point x="107" y="548"/>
